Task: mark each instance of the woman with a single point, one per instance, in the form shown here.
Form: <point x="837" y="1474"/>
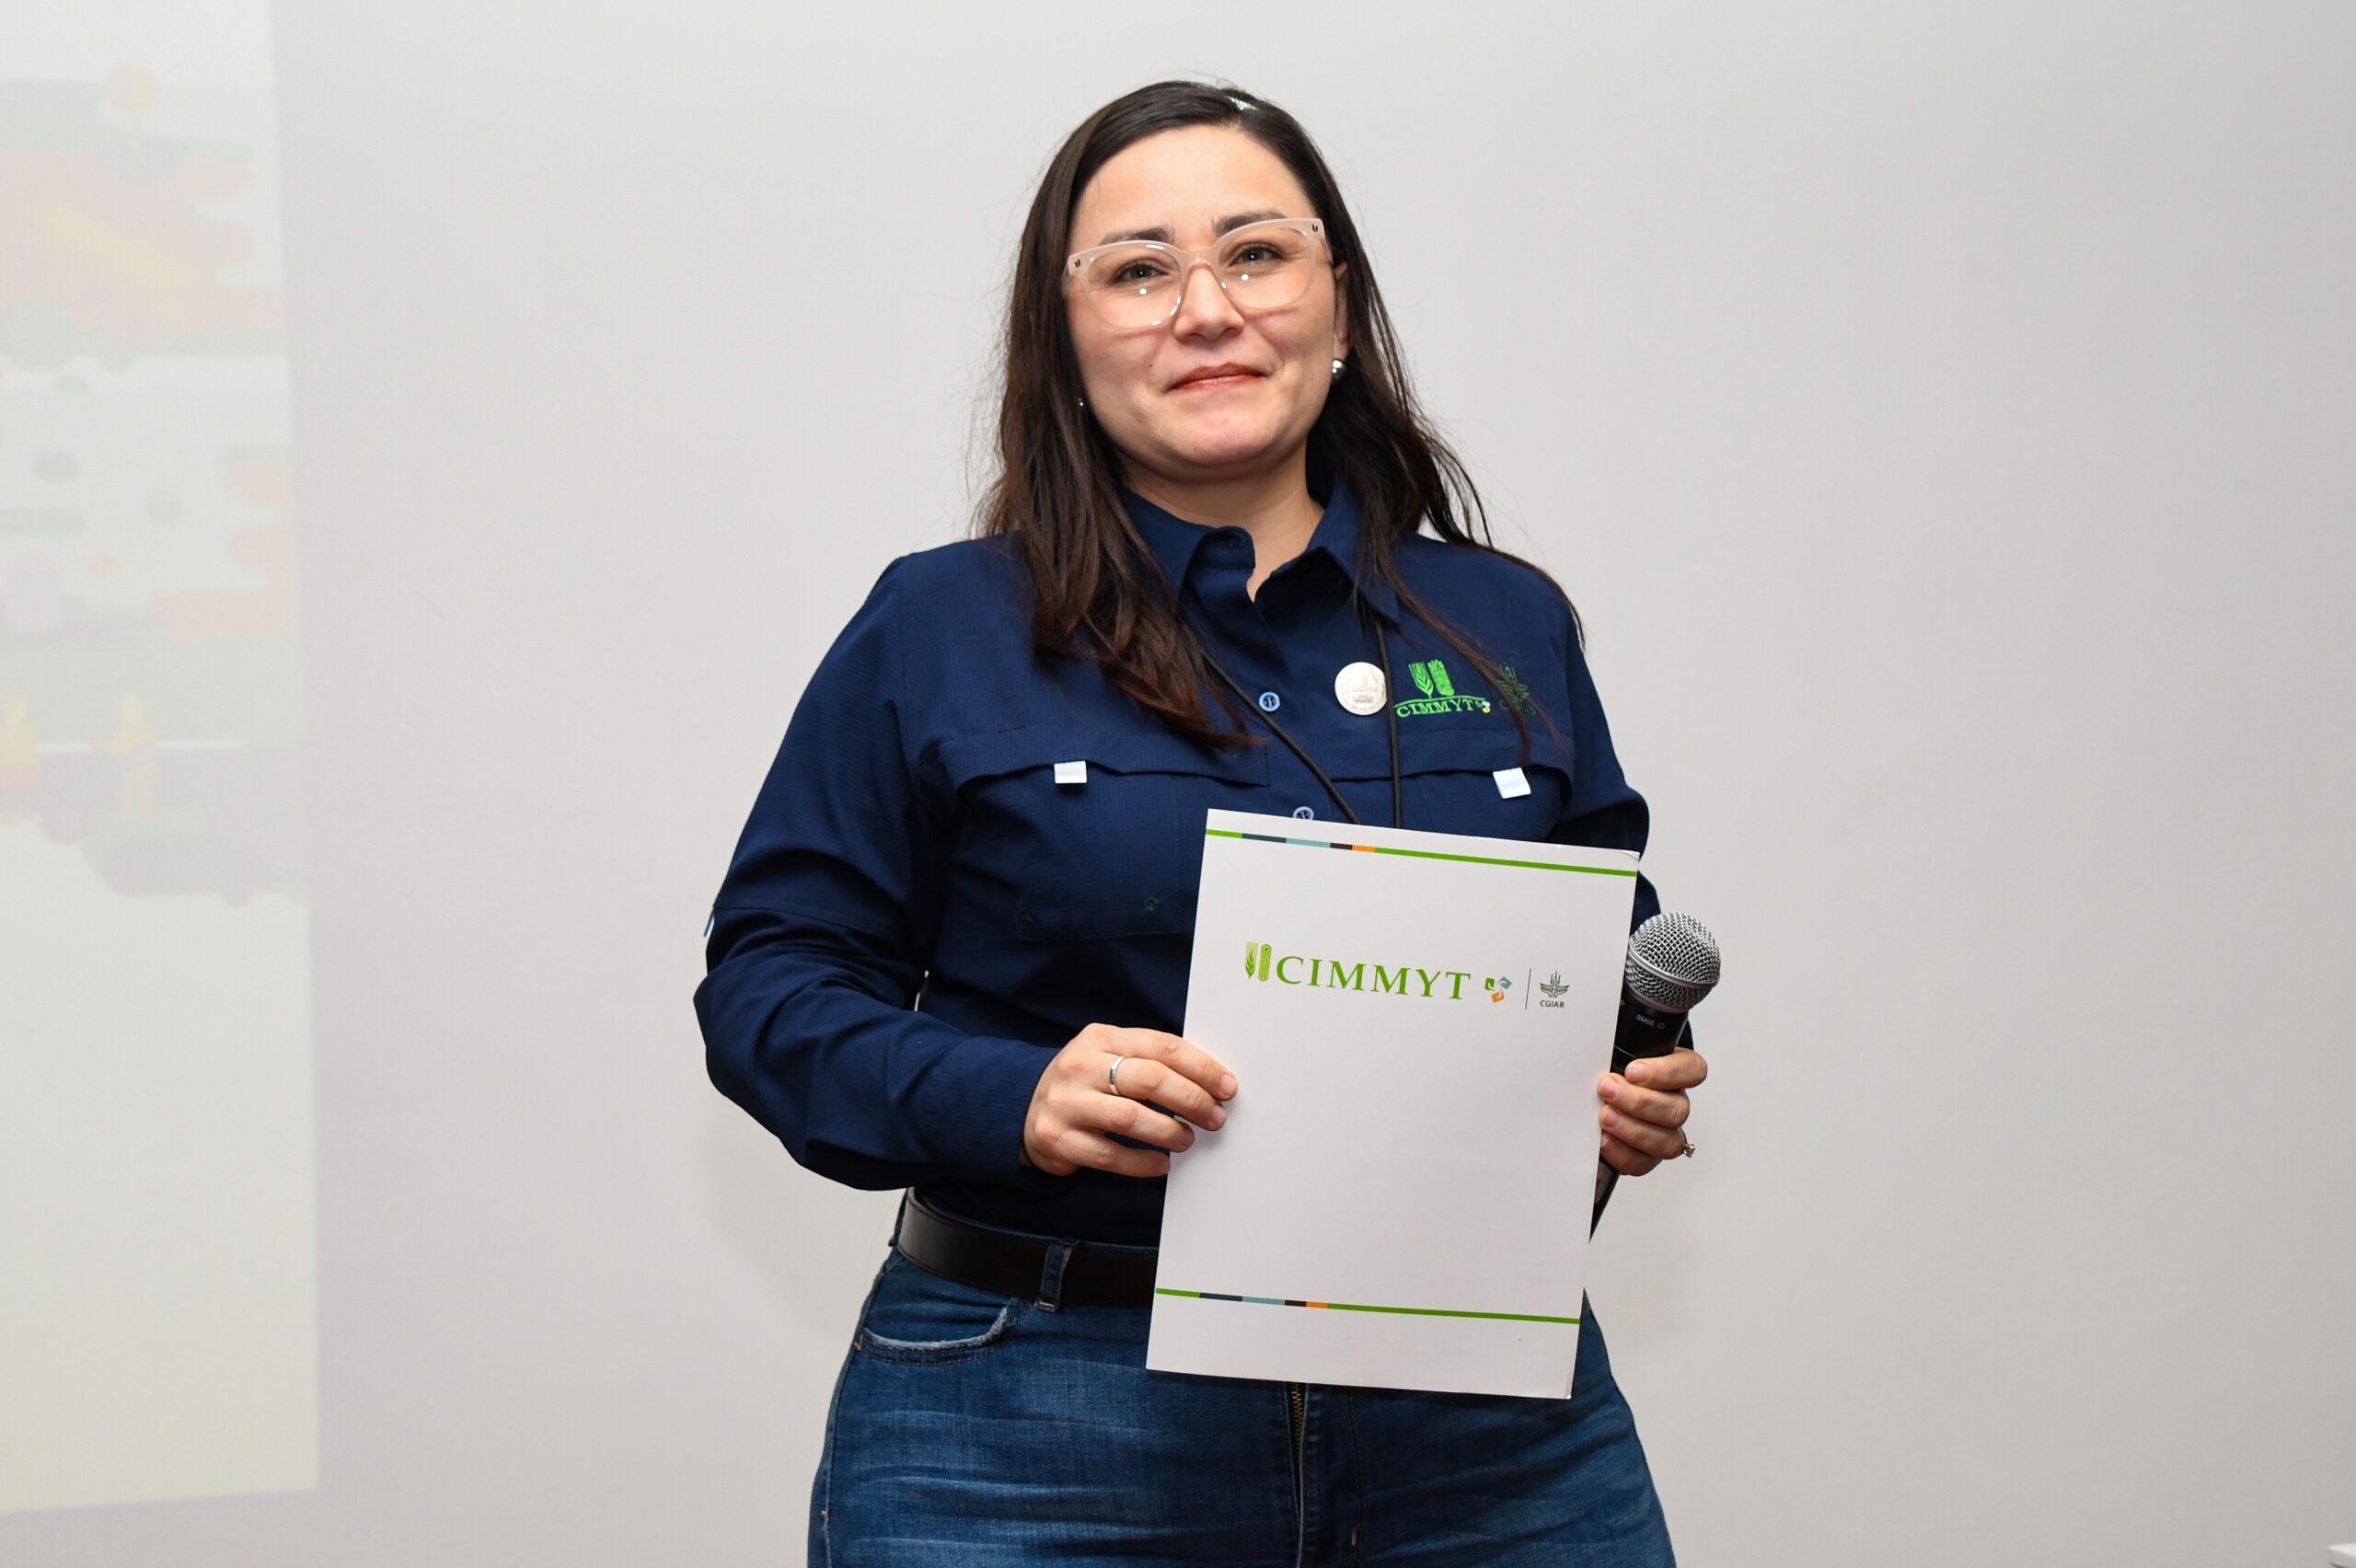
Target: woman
<point x="951" y="952"/>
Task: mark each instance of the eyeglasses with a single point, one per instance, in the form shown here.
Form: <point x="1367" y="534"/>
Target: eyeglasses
<point x="1138" y="283"/>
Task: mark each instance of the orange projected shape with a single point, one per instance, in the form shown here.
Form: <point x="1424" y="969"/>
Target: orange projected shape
<point x="269" y="549"/>
<point x="124" y="260"/>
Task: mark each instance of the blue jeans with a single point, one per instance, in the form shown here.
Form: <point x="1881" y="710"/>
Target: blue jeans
<point x="976" y="1430"/>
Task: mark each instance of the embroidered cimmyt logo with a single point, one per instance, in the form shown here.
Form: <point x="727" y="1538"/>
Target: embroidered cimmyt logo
<point x="1441" y="696"/>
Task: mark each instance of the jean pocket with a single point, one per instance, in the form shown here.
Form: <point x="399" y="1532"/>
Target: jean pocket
<point x="919" y="1319"/>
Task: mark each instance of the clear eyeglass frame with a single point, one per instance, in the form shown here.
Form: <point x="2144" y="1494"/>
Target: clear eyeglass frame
<point x="1133" y="284"/>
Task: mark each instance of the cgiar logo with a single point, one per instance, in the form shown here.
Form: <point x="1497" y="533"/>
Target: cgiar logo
<point x="1263" y="963"/>
<point x="1553" y="989"/>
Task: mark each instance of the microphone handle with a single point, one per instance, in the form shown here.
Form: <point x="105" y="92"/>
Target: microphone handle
<point x="1644" y="1030"/>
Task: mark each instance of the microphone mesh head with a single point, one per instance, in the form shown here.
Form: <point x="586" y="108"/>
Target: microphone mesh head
<point x="1672" y="961"/>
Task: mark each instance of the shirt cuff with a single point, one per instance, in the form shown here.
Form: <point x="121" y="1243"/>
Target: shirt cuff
<point x="971" y="1106"/>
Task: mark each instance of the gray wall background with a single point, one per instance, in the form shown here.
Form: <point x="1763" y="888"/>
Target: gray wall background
<point x="1941" y="415"/>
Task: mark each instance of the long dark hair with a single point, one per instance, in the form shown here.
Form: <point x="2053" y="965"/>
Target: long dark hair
<point x="1056" y="498"/>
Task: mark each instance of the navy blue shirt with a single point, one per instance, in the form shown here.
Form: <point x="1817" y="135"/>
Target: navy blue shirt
<point x="919" y="915"/>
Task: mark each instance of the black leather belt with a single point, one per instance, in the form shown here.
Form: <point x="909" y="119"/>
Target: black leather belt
<point x="1037" y="1268"/>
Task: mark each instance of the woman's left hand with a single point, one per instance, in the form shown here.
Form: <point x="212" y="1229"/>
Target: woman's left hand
<point x="1645" y="1109"/>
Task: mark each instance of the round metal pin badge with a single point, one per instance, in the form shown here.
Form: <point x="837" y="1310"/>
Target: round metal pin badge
<point x="1360" y="688"/>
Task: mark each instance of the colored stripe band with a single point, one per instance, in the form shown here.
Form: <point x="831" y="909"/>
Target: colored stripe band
<point x="1360" y="1307"/>
<point x="1416" y="855"/>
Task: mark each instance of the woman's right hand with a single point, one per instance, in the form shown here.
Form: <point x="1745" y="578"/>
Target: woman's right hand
<point x="1079" y="1102"/>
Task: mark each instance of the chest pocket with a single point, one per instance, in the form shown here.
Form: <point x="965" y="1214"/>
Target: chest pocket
<point x="1449" y="783"/>
<point x="1118" y="856"/>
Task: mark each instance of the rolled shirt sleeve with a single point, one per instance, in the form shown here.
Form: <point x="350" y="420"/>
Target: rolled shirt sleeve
<point x="820" y="939"/>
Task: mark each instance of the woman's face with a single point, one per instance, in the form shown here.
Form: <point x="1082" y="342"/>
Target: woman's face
<point x="1212" y="393"/>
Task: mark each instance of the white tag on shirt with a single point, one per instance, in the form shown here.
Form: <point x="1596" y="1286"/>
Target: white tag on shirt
<point x="1511" y="785"/>
<point x="1071" y="773"/>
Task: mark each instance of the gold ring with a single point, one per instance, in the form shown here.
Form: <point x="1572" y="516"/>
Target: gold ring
<point x="1687" y="1152"/>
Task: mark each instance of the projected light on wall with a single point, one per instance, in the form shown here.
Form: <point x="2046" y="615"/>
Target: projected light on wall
<point x="157" y="1263"/>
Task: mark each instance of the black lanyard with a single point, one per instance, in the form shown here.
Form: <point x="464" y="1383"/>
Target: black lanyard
<point x="1389" y="710"/>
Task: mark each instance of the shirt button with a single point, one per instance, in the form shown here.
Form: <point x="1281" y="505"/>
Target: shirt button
<point x="1270" y="702"/>
<point x="1303" y="812"/>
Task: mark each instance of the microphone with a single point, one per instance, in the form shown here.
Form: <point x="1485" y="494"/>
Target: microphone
<point x="1672" y="964"/>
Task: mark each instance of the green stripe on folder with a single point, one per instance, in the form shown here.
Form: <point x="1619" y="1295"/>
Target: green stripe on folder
<point x="1361" y="1307"/>
<point x="1419" y="855"/>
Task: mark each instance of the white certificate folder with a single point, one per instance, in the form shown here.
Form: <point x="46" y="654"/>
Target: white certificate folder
<point x="1400" y="1195"/>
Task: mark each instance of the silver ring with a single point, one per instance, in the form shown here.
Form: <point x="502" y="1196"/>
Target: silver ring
<point x="1112" y="1074"/>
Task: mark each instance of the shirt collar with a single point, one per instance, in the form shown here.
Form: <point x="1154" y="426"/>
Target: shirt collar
<point x="1172" y="541"/>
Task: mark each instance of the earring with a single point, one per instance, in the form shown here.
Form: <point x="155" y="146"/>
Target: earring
<point x="1082" y="401"/>
<point x="1337" y="370"/>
